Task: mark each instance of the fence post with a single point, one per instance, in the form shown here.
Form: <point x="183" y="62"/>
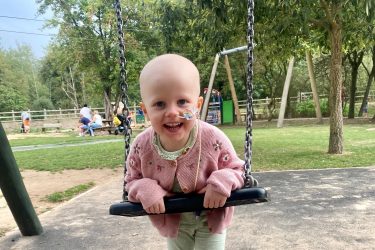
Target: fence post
<point x="60" y="112"/>
<point x="45" y="114"/>
<point x="13" y="116"/>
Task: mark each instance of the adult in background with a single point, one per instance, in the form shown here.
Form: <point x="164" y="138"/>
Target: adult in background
<point x="96" y="121"/>
<point x="25" y="117"/>
<point x="86" y="111"/>
<point x="84" y="126"/>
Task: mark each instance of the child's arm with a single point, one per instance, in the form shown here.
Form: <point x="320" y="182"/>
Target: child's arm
<point x="228" y="177"/>
<point x="141" y="189"/>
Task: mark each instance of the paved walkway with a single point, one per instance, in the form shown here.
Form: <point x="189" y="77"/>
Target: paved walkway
<point x="315" y="209"/>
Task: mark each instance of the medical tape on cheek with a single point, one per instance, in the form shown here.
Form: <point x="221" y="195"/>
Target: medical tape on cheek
<point x="189" y="114"/>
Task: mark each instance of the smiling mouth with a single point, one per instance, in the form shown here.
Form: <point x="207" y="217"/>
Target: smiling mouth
<point x="172" y="127"/>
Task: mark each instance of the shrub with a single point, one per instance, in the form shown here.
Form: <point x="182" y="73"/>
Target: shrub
<point x="42" y="103"/>
<point x="307" y="108"/>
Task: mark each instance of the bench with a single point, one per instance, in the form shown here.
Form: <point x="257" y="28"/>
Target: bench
<point x="56" y="126"/>
<point x="110" y="129"/>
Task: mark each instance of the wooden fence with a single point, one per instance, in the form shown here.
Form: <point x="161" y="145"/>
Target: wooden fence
<point x="260" y="108"/>
<point x="42" y="114"/>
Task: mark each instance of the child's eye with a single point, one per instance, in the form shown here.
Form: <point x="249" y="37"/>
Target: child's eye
<point x="182" y="102"/>
<point x="159" y="104"/>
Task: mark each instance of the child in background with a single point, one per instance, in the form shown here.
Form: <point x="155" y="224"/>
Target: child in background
<point x="25" y="115"/>
<point x="118" y="121"/>
<point x="181" y="154"/>
<point x="26" y="125"/>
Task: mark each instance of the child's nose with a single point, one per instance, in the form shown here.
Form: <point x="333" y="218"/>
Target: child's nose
<point x="172" y="111"/>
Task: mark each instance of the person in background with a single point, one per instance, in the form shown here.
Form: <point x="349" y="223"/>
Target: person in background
<point x="25" y="115"/>
<point x="86" y="111"/>
<point x="118" y="122"/>
<point x="26" y="125"/>
<point x="96" y="121"/>
<point x="84" y="126"/>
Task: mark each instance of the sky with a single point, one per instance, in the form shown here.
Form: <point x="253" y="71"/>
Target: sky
<point x="11" y="26"/>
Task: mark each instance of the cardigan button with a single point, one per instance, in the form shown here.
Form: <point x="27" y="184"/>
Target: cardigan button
<point x="184" y="189"/>
<point x="174" y="164"/>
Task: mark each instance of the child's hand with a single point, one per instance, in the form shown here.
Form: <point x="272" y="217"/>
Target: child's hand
<point x="213" y="199"/>
<point x="156" y="208"/>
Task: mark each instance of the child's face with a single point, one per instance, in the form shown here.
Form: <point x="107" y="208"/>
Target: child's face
<point x="169" y="88"/>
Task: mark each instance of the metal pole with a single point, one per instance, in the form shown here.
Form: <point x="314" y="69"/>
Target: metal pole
<point x="230" y="51"/>
<point x="14" y="191"/>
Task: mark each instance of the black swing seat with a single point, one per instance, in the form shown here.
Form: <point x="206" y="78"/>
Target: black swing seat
<point x="192" y="202"/>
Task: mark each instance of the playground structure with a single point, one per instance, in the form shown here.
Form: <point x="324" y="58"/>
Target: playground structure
<point x="214" y="112"/>
<point x="14" y="191"/>
<point x="224" y="53"/>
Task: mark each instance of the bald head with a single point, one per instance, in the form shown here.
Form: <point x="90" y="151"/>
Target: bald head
<point x="169" y="69"/>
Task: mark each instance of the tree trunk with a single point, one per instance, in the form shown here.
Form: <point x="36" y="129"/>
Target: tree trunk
<point x="83" y="86"/>
<point x="107" y="103"/>
<point x="355" y="60"/>
<point x="371" y="77"/>
<point x="336" y="119"/>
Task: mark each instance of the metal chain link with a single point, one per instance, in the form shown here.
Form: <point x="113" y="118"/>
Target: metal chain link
<point x="124" y="87"/>
<point x="249" y="180"/>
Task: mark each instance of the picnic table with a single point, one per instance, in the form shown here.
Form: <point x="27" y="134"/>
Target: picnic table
<point x="55" y="126"/>
<point x="107" y="126"/>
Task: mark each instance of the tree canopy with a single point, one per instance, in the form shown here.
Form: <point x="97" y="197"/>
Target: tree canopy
<point x="81" y="65"/>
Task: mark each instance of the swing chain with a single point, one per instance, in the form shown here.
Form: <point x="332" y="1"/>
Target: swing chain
<point x="249" y="179"/>
<point x="123" y="86"/>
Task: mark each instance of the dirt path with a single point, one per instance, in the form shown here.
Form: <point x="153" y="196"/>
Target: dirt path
<point x="42" y="183"/>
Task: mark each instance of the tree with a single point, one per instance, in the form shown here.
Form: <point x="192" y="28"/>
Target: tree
<point x="327" y="15"/>
<point x="19" y="85"/>
<point x="88" y="39"/>
<point x="371" y="77"/>
<point x="357" y="40"/>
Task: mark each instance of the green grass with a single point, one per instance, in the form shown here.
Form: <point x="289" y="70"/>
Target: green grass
<point x="69" y="193"/>
<point x="66" y="139"/>
<point x="305" y="147"/>
<point x="105" y="155"/>
<point x="298" y="147"/>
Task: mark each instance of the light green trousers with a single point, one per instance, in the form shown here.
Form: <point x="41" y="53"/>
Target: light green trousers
<point x="194" y="234"/>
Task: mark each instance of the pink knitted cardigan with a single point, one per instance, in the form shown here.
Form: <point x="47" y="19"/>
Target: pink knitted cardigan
<point x="149" y="177"/>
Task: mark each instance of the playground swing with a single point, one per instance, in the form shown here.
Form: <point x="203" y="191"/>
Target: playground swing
<point x="249" y="194"/>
